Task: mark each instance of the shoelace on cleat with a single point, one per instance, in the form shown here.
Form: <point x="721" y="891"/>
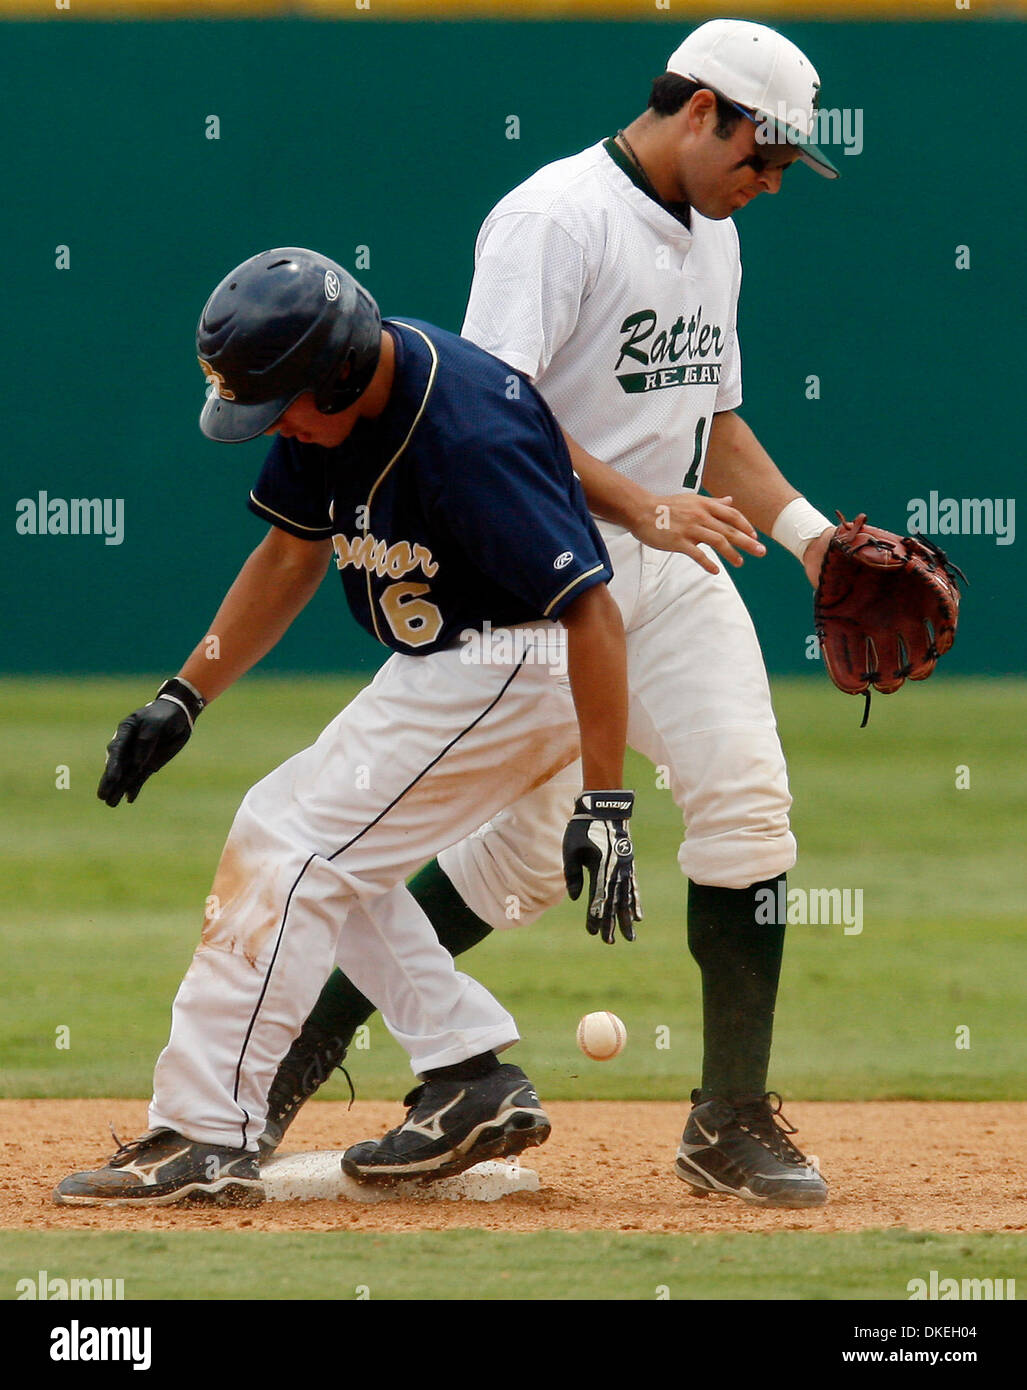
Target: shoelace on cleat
<point x="349" y="1083"/>
<point x="128" y="1148"/>
<point x="413" y="1098"/>
<point x="309" y="1067"/>
<point x="766" y="1124"/>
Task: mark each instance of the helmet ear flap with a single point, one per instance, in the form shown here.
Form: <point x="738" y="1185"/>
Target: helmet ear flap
<point x="353" y="369"/>
<point x="338" y="390"/>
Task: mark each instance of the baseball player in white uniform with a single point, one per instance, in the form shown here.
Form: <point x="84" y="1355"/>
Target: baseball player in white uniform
<point x="611" y="279"/>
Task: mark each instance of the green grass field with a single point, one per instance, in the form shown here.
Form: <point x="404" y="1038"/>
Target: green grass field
<point x="479" y="1265"/>
<point x="104" y="906"/>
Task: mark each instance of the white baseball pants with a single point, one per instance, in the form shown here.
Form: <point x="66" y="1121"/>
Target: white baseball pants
<point x="700" y="710"/>
<point x="313" y="872"/>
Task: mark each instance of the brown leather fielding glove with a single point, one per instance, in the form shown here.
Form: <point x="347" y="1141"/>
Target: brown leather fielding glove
<point x="885" y="608"/>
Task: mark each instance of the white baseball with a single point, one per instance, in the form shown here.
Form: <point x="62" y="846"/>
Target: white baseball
<point x="601" y="1036"/>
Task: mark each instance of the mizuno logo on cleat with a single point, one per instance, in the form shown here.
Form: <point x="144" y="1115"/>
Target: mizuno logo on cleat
<point x="148" y="1169"/>
<point x="431" y="1128"/>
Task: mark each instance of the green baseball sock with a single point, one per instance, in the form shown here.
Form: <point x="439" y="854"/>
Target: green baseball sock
<point x="456" y="926"/>
<point x="739" y="955"/>
<point x="341" y="1008"/>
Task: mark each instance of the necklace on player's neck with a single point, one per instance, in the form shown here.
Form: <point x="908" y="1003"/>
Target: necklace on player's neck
<point x="633" y="156"/>
<point x="650" y="186"/>
<point x="679" y="211"/>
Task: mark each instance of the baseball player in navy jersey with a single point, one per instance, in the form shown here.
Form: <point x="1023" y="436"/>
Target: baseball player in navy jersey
<point x="448" y="502"/>
<point x="611" y="279"/>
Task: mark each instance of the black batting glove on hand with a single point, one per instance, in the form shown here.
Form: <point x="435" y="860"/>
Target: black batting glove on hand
<point x="149" y="738"/>
<point x="597" y="839"/>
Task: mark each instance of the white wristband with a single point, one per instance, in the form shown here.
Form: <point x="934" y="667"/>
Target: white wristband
<point x="798" y="524"/>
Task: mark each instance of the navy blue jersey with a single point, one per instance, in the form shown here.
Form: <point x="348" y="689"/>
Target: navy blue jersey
<point x="457" y="506"/>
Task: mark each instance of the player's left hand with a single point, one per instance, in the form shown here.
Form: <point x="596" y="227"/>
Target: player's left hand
<point x="598" y="839"/>
<point x="813" y="559"/>
<point x="886" y="608"/>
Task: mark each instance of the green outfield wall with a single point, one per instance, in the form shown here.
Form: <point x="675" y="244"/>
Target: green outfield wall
<point x="880" y="316"/>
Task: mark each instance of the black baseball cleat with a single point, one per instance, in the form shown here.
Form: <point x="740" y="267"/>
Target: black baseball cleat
<point x="305" y="1068"/>
<point x="451" y="1126"/>
<point x="738" y="1147"/>
<point x="162" y="1168"/>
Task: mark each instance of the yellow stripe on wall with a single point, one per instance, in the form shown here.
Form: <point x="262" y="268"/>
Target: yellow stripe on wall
<point x="511" y="9"/>
<point x="147" y="9"/>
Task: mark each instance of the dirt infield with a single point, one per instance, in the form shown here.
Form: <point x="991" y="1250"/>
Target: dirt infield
<point x="947" y="1166"/>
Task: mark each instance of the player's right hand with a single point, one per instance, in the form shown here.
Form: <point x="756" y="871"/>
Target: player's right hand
<point x="598" y="839"/>
<point x="146" y="740"/>
<point x="686" y="520"/>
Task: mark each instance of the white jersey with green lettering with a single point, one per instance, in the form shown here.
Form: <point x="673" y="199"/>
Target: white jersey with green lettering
<point x="624" y="318"/>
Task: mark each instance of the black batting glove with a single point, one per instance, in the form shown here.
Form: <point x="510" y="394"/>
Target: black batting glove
<point x="598" y="839"/>
<point x="149" y="738"/>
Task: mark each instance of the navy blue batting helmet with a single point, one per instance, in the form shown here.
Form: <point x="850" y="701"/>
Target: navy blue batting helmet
<point x="284" y="322"/>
